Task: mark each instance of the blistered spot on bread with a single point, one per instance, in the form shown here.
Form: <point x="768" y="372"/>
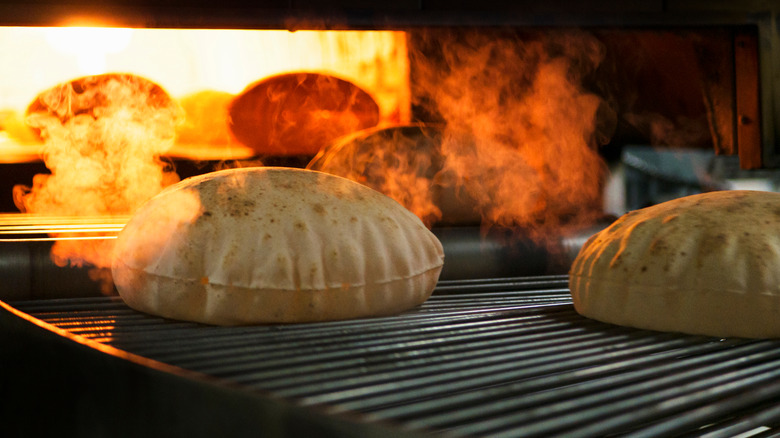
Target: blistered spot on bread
<point x="237" y="205"/>
<point x="670" y="218"/>
<point x="615" y="262"/>
<point x="714" y="243"/>
<point x="389" y="222"/>
<point x="658" y="246"/>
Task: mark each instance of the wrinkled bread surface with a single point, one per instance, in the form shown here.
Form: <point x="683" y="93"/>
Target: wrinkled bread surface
<point x="705" y="264"/>
<point x="260" y="245"/>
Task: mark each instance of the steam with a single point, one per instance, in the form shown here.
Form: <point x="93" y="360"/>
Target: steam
<point x="103" y="138"/>
<point x="400" y="162"/>
<point x="521" y="131"/>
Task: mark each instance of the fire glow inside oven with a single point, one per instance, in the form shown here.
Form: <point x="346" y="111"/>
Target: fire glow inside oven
<point x="500" y="124"/>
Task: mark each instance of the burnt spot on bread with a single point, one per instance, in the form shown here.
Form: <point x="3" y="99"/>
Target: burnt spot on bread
<point x="319" y="209"/>
<point x="204" y="216"/>
<point x="301" y="226"/>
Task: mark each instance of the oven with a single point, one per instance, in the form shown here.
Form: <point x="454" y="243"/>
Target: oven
<point x="514" y="130"/>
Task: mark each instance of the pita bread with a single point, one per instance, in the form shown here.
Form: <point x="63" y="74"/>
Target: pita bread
<point x="705" y="264"/>
<point x="104" y="96"/>
<point x="268" y="245"/>
<point x="299" y="113"/>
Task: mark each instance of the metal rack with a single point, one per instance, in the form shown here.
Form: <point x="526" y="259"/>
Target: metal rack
<point x="498" y="357"/>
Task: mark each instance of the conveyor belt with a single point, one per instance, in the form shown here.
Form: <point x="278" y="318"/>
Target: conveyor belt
<point x="497" y="357"/>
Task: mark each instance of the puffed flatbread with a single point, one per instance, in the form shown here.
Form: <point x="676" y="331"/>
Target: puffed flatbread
<point x="268" y="245"/>
<point x="103" y="96"/>
<point x="705" y="264"/>
<point x="299" y="113"/>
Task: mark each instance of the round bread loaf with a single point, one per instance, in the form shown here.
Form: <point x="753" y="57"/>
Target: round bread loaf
<point x="705" y="264"/>
<point x="104" y="96"/>
<point x="299" y="113"/>
<point x="273" y="245"/>
<point x="393" y="159"/>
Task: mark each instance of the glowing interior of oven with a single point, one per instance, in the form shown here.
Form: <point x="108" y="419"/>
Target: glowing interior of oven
<point x="512" y="132"/>
<point x="186" y="62"/>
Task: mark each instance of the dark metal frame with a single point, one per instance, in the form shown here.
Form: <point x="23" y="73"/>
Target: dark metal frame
<point x="55" y="383"/>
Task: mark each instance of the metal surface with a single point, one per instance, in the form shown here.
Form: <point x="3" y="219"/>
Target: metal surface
<point x="501" y="357"/>
<point x="27" y="266"/>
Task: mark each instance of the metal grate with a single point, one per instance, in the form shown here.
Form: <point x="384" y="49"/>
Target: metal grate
<point x="499" y="357"/>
